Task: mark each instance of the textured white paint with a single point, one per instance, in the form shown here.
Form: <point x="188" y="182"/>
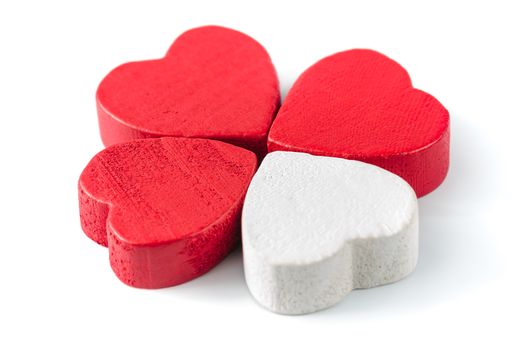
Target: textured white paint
<point x="314" y="228"/>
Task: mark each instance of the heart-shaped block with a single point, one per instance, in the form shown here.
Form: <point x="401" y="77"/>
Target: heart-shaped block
<point x="315" y="227"/>
<point x="167" y="208"/>
<point x="361" y="105"/>
<point x="214" y="83"/>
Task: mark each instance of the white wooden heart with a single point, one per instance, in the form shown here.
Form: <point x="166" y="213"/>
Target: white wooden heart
<point x="314" y="228"/>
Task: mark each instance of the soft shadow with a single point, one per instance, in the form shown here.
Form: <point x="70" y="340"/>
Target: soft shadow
<point x="225" y="282"/>
<point x="457" y="255"/>
<point x="285" y="85"/>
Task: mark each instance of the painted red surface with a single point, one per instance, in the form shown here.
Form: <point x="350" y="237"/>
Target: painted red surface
<point x="213" y="83"/>
<point x="361" y="105"/>
<point x="167" y="208"/>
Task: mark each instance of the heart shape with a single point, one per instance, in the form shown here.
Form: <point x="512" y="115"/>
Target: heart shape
<point x="361" y="105"/>
<point x="167" y="208"/>
<point x="213" y="83"/>
<point x="315" y="227"/>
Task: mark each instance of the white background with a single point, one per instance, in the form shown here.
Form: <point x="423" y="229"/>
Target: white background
<point x="56" y="286"/>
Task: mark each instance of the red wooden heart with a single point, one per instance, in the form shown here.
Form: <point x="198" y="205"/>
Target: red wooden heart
<point x="361" y="105"/>
<point x="167" y="208"/>
<point x="213" y="83"/>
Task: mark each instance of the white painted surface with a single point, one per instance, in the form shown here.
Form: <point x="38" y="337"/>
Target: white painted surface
<point x="314" y="228"/>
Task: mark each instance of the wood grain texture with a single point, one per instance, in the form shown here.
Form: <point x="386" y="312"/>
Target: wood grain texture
<point x="167" y="208"/>
<point x="213" y="83"/>
<point x="361" y="105"/>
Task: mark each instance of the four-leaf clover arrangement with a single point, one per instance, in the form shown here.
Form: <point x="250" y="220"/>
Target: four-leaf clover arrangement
<point x="322" y="190"/>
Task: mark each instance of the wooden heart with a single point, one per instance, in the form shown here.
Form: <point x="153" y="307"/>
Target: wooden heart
<point x="361" y="105"/>
<point x="167" y="208"/>
<point x="314" y="228"/>
<point x="213" y="83"/>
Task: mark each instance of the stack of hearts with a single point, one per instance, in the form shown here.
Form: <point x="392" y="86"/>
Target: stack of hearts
<point x="322" y="190"/>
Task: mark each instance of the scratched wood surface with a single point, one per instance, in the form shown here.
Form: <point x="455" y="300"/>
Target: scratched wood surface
<point x="167" y="208"/>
